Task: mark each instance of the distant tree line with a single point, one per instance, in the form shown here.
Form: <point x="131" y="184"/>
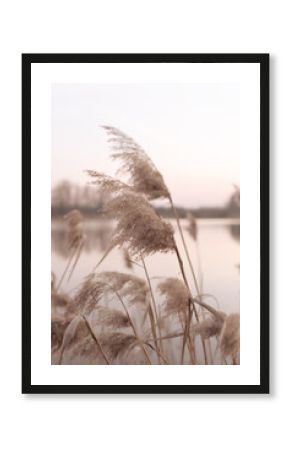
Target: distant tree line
<point x="66" y="196"/>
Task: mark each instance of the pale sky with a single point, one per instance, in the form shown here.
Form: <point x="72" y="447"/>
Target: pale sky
<point x="190" y="131"/>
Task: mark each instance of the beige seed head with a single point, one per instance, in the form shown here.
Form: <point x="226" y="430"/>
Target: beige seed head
<point x="118" y="344"/>
<point x="106" y="183"/>
<point x="230" y="336"/>
<point x="176" y="295"/>
<point x="139" y="227"/>
<point x="98" y="285"/>
<point x="110" y="317"/>
<point x="89" y="294"/>
<point x="144" y="176"/>
<point x="208" y="327"/>
<point x="128" y="286"/>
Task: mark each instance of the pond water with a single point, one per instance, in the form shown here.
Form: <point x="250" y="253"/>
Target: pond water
<point x="215" y="256"/>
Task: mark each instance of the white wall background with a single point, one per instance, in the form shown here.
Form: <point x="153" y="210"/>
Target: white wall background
<point x="170" y="422"/>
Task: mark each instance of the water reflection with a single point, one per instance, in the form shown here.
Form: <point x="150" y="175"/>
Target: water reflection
<point x="97" y="237"/>
<point x="217" y="253"/>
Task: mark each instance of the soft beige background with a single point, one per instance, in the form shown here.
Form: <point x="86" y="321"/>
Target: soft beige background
<point x="191" y="132"/>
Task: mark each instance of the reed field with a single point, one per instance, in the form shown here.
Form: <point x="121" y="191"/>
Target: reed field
<point x="138" y="315"/>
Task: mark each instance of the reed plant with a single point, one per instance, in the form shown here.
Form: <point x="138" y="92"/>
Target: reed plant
<point x="119" y="318"/>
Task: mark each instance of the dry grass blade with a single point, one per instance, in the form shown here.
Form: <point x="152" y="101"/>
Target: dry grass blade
<point x="75" y="238"/>
<point x="219" y="315"/>
<point x="109" y="249"/>
<point x="75" y="332"/>
<point x="65" y="270"/>
<point x="178" y="304"/>
<point x="159" y="354"/>
<point x="95" y="339"/>
<point x="74" y="220"/>
<point x="77" y="256"/>
<point x="152" y="310"/>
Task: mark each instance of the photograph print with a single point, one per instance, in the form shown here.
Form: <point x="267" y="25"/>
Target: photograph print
<point x="152" y="189"/>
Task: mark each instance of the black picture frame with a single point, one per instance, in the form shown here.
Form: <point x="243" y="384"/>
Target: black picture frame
<point x="27" y="61"/>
